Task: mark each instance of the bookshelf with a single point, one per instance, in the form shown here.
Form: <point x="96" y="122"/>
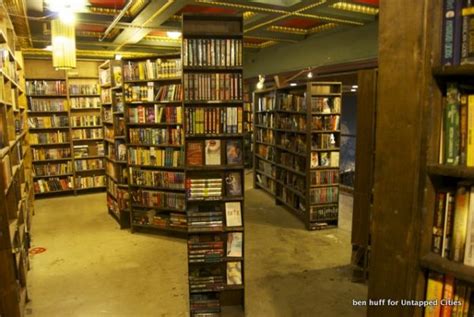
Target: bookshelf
<point x="87" y="122"/>
<point x="116" y="169"/>
<point x="214" y="139"/>
<point x="296" y="142"/>
<point x="152" y="94"/>
<point x="16" y="183"/>
<point x="248" y="128"/>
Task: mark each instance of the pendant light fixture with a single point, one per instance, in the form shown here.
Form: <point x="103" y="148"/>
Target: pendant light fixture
<point x="63" y="38"/>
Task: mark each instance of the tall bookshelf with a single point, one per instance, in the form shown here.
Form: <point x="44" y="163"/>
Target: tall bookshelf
<point x="16" y="183"/>
<point x="153" y="115"/>
<point x="213" y="117"/>
<point x="248" y="128"/>
<point x="297" y="140"/>
<point x="87" y="140"/>
<point x="118" y="199"/>
<point x="50" y="136"/>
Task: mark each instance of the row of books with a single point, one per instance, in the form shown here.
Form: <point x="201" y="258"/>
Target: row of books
<point x="292" y="142"/>
<point x="155" y="114"/>
<point x="106" y="96"/>
<point x="89" y="181"/>
<point x="96" y="149"/>
<point x="448" y="296"/>
<point x="86" y="121"/>
<point x="266" y="167"/>
<point x="52" y="169"/>
<point x="319" y="213"/>
<point x="48" y="88"/>
<point x="158" y="199"/>
<point x="324" y="141"/>
<point x="266" y="182"/>
<point x="292" y="180"/>
<point x="292" y="199"/>
<point x="151" y="92"/>
<point x="213" y="120"/>
<point x="48" y="122"/>
<point x="290" y="122"/>
<point x="209" y="152"/>
<point x="453" y="224"/>
<point x="85" y="165"/>
<point x="53" y="184"/>
<point x="297" y="163"/>
<point x="212" y="52"/>
<point x="326" y="105"/>
<point x="84" y="89"/>
<point x="327" y="123"/>
<point x="45" y="105"/>
<point x="265" y="103"/>
<point x="81" y="134"/>
<point x="324" y="195"/>
<point x="160" y="220"/>
<point x="120" y="195"/>
<point x="116" y="151"/>
<point x="324" y="177"/>
<point x="7" y="66"/>
<point x="210" y="248"/>
<point x="109" y="132"/>
<point x="266" y="151"/>
<point x="149" y="136"/>
<point x="211" y="279"/>
<point x="168" y="157"/>
<point x="205" y="304"/>
<point x="330" y="159"/>
<point x="162" y="179"/>
<point x="85" y="102"/>
<point x="151" y="69"/>
<point x="264" y="135"/>
<point x="456" y="47"/>
<point x="209" y="188"/>
<point x="212" y="86"/>
<point x="265" y="120"/>
<point x="290" y="102"/>
<point x="50" y="154"/>
<point x="49" y="137"/>
<point x="119" y="172"/>
<point x="114" y="206"/>
<point x="456" y="145"/>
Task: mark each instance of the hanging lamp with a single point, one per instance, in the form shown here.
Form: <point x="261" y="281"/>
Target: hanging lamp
<point x="63" y="39"/>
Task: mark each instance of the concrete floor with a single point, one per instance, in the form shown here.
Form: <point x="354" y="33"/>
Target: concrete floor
<point x="91" y="268"/>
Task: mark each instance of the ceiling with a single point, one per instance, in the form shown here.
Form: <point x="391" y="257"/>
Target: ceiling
<point x="142" y="25"/>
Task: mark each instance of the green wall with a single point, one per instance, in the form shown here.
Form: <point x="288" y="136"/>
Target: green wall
<point x="337" y="47"/>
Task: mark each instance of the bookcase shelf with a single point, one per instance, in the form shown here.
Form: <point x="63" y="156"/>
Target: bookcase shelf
<point x="434" y="262"/>
<point x="214" y="188"/>
<point x="450" y="171"/>
<point x="292" y="163"/>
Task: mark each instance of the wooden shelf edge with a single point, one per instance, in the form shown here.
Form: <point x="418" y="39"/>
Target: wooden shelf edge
<point x="436" y="263"/>
<point x="450" y="170"/>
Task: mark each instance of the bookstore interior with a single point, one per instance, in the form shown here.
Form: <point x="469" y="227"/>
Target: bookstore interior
<point x="236" y="158"/>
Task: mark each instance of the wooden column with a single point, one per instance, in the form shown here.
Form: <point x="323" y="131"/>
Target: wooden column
<point x="405" y="44"/>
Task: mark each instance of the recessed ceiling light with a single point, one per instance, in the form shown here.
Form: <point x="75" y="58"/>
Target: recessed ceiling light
<point x="173" y="34"/>
<point x="118" y="57"/>
<point x="355" y="86"/>
<point x="310" y="75"/>
<point x="293" y="84"/>
<point x="353" y="90"/>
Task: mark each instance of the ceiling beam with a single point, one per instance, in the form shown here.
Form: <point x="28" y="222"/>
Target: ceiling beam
<point x="156" y="12"/>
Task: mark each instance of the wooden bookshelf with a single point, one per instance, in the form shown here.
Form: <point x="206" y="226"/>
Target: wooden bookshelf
<point x="118" y="200"/>
<point x="153" y="115"/>
<point x="214" y="161"/>
<point x="297" y="149"/>
<point x="16" y="182"/>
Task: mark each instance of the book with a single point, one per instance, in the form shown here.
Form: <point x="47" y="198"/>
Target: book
<point x="451" y="125"/>
<point x="314" y="159"/>
<point x="469" y="243"/>
<point x="438" y="222"/>
<point x="470" y="131"/>
<point x="234" y="273"/>
<point x="467" y="36"/>
<point x="448" y="294"/>
<point x="194" y="155"/>
<point x="463" y="129"/>
<point x="434" y="292"/>
<point x="447" y="225"/>
<point x="234" y="244"/>
<point x="460" y="222"/>
<point x="233" y="214"/>
<point x="451" y="30"/>
<point x="213" y="152"/>
<point x="233" y="184"/>
<point x="234" y="152"/>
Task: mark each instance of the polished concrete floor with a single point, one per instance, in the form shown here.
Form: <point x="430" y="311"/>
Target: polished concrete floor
<point x="91" y="268"/>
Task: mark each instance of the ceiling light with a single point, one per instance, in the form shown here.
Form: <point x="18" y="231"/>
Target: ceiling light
<point x="353" y="90"/>
<point x="63" y="39"/>
<point x="356" y="8"/>
<point x="71" y="5"/>
<point x="118" y="57"/>
<point x="355" y="86"/>
<point x="261" y="81"/>
<point x="48" y="48"/>
<point x="173" y="34"/>
<point x="310" y="75"/>
<point x="293" y="84"/>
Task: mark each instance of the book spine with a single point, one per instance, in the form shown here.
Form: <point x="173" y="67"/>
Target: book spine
<point x="451" y="126"/>
<point x="460" y="223"/>
<point x="469" y="247"/>
<point x="463" y="130"/>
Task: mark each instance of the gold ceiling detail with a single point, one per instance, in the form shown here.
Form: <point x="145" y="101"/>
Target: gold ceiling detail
<point x="89" y="34"/>
<point x="162" y="39"/>
<point x="321" y="28"/>
<point x="261" y="45"/>
<point x="242" y="6"/>
<point x="136" y="7"/>
<point x="175" y="17"/>
<point x="355" y="8"/>
<point x="269" y="38"/>
<point x="284" y="29"/>
<point x="105" y="11"/>
<point x="105" y="54"/>
<point x="248" y="14"/>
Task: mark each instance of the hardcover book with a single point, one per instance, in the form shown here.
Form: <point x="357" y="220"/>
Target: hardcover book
<point x="233" y="184"/>
<point x="434" y="291"/>
<point x="234" y="152"/>
<point x="213" y="152"/>
<point x="460" y="223"/>
<point x="469" y="249"/>
<point x="194" y="155"/>
<point x="234" y="273"/>
<point x="233" y="214"/>
<point x="234" y="244"/>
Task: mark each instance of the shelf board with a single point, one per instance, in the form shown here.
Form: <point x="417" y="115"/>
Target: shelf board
<point x="264" y="143"/>
<point x="90" y="188"/>
<point x="86" y="140"/>
<point x="88" y="127"/>
<point x="167" y="228"/>
<point x="109" y="140"/>
<point x="290" y="169"/>
<point x="154" y="124"/>
<point x="212" y="102"/>
<point x="210" y="136"/>
<point x="51" y="176"/>
<point x="325" y="113"/>
<point x="116" y="87"/>
<point x="50" y="144"/>
<point x="294" y="191"/>
<point x="220" y="198"/>
<point x="46" y="112"/>
<point x="223" y="229"/>
<point x="154" y="145"/>
<point x="264" y="159"/>
<point x="324" y="168"/>
<point x="156" y="102"/>
<point x="89" y="157"/>
<point x="84" y="95"/>
<point x="91" y="170"/>
<point x="115" y="161"/>
<point x="436" y="263"/>
<point x="156" y="208"/>
<point x="325" y="150"/>
<point x="291" y="131"/>
<point x="158" y="188"/>
<point x="325" y="131"/>
<point x="86" y="109"/>
<point x="264" y="127"/>
<point x="291" y="151"/>
<point x="214" y="167"/>
<point x="55" y="191"/>
<point x="57" y="128"/>
<point x="47" y="96"/>
<point x="451" y="171"/>
<point x="291" y="112"/>
<point x="51" y="160"/>
<point x="213" y="68"/>
<point x="324" y="185"/>
<point x="158" y="167"/>
<point x="134" y="81"/>
<point x="264" y="174"/>
<point x="453" y="71"/>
